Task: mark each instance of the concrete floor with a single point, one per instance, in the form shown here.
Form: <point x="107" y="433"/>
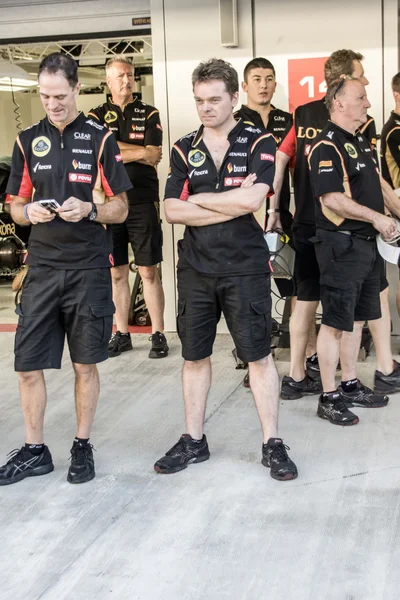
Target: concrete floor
<point x="218" y="530"/>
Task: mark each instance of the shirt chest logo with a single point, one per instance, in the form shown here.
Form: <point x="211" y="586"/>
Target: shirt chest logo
<point x="110" y="116"/>
<point x="79" y="178"/>
<point x="236" y="169"/>
<point x="196" y="158"/>
<point x="41" y="146"/>
<point x="84" y="166"/>
<point x="233" y="181"/>
<point x="351" y="151"/>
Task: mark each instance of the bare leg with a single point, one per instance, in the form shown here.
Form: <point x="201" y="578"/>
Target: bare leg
<point x="196" y="381"/>
<point x="33" y="399"/>
<point x="264" y="383"/>
<point x="328" y="346"/>
<point x="300" y="322"/>
<point x="87" y="390"/>
<point x="349" y="350"/>
<point x="154" y="296"/>
<point x="380" y="331"/>
<point x="398" y="298"/>
<point x="312" y="340"/>
<point x="121" y="296"/>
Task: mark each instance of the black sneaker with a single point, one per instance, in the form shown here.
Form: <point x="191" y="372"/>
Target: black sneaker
<point x="335" y="410"/>
<point x="184" y="453"/>
<point x="82" y="463"/>
<point x="22" y="463"/>
<point x="363" y="396"/>
<point x="275" y="456"/>
<point x="159" y="346"/>
<point x="246" y="380"/>
<point x="120" y="342"/>
<point x="387" y="384"/>
<point x="292" y="390"/>
<point x="312" y="367"/>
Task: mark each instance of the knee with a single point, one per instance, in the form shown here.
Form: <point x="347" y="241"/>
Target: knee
<point x="30" y="378"/>
<point x="149" y="274"/>
<point x="196" y="365"/>
<point x="84" y="371"/>
<point x="120" y="274"/>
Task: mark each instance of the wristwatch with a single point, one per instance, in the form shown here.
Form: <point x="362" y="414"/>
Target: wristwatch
<point x="270" y="211"/>
<point x="93" y="213"/>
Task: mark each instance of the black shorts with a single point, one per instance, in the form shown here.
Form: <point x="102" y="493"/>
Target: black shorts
<point x="350" y="279"/>
<point x="142" y="229"/>
<point x="306" y="269"/>
<point x="244" y="300"/>
<point x="55" y="303"/>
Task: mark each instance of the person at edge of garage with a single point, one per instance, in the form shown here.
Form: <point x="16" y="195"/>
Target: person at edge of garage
<point x="219" y="177"/>
<point x="390" y="153"/>
<point x="349" y="207"/>
<point x="138" y="131"/>
<point x="309" y="120"/>
<point x="73" y="160"/>
<point x="260" y="84"/>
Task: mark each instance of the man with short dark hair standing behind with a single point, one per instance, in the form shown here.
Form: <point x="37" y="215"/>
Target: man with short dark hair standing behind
<point x="67" y="159"/>
<point x="350" y="201"/>
<point x="138" y="130"/>
<point x="219" y="177"/>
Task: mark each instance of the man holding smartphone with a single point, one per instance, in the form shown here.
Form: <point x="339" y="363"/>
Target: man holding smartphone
<point x="66" y="159"/>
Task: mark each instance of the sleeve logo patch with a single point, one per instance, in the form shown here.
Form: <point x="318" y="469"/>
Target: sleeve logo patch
<point x="269" y="157"/>
<point x="325" y="163"/>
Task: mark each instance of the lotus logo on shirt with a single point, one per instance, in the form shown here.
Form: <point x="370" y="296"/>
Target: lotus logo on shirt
<point x="196" y="158"/>
<point x="41" y="146"/>
<point x="84" y="166"/>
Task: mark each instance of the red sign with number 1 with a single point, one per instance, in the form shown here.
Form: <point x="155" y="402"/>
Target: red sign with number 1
<point x="306" y="80"/>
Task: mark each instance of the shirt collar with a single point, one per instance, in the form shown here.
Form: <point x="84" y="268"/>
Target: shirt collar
<point x="346" y="133"/>
<point x="199" y="134"/>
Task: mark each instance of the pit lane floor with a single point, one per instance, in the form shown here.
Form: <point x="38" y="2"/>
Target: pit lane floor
<point x="222" y="529"/>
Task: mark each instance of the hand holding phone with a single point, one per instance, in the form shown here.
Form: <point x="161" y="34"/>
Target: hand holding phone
<point x="50" y="204"/>
<point x="38" y="212"/>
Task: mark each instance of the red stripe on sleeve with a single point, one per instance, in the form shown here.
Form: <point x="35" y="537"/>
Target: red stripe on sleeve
<point x="185" y="191"/>
<point x="288" y="145"/>
<point x="106" y="186"/>
<point x="26" y="187"/>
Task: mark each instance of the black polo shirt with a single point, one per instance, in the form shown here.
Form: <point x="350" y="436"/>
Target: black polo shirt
<point x="340" y="162"/>
<point x="390" y="150"/>
<point x="138" y="124"/>
<point x="308" y="121"/>
<point x="236" y="247"/>
<point x="279" y="121"/>
<point x="85" y="162"/>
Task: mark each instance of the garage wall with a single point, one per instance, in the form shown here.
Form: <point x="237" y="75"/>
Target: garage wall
<point x="38" y="18"/>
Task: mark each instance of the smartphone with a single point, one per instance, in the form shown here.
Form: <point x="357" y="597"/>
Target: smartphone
<point x="50" y="204"/>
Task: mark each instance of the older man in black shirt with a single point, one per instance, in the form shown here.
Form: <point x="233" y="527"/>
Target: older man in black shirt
<point x="349" y="213"/>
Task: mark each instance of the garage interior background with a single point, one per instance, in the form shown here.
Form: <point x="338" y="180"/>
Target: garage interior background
<point x="183" y="32"/>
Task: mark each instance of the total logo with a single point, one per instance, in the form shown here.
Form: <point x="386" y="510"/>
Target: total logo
<point x="82" y="136"/>
<point x="84" y="166"/>
<point x="79" y="178"/>
<point x="269" y="157"/>
<point x="40" y="167"/>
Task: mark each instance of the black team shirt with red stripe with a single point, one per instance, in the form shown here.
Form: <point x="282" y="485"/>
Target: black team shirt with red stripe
<point x="308" y="121"/>
<point x="342" y="162"/>
<point x="236" y="247"/>
<point x="83" y="161"/>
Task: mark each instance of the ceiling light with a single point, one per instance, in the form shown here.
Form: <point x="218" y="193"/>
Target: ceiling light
<point x="16" y="82"/>
<point x="8" y="69"/>
<point x="8" y="88"/>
